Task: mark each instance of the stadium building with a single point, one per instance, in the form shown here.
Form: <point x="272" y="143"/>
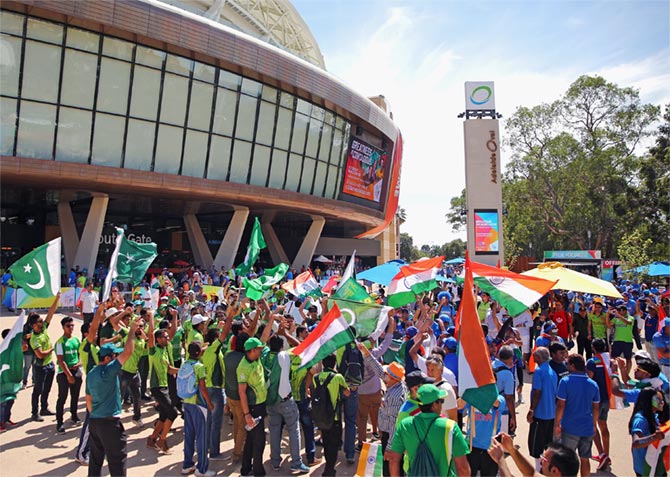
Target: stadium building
<point x="181" y="121"/>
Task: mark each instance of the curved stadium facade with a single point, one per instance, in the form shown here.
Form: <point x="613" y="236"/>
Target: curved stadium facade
<point x="181" y="121"/>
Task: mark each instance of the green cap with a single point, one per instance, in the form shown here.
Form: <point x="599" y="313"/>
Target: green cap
<point x="252" y="343"/>
<point x="429" y="393"/>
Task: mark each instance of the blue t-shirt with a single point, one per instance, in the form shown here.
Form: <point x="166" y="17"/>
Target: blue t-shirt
<point x="579" y="393"/>
<point x="650" y="327"/>
<point x="662" y="343"/>
<point x="504" y="377"/>
<point x="597" y="367"/>
<point x="486" y="425"/>
<point x="641" y="427"/>
<point x="545" y="380"/>
<point x="451" y="362"/>
<point x="102" y="384"/>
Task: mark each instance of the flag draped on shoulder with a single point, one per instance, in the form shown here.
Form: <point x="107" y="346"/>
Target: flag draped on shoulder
<point x="11" y="361"/>
<point x="370" y="319"/>
<point x="38" y="272"/>
<point x="256" y="244"/>
<point x="330" y="334"/>
<point x="513" y="291"/>
<point x="303" y="285"/>
<point x="476" y="382"/>
<point x="129" y="263"/>
<point x="412" y="279"/>
<point x="657" y="458"/>
<point x="260" y="287"/>
<point x="370" y="462"/>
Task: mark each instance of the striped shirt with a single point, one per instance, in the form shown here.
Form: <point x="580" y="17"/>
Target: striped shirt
<point x="394" y="398"/>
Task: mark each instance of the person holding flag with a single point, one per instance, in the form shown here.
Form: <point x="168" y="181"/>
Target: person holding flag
<point x="11" y="364"/>
<point x="647" y="433"/>
<point x="44" y="367"/>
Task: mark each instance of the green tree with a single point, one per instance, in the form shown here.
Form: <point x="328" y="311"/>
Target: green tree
<point x="573" y="168"/>
<point x="457" y="214"/>
<point x="633" y="251"/>
<point x="408" y="251"/>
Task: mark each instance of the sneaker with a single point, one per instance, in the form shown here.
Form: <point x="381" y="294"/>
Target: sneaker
<point x="2" y="427"/>
<point x="144" y="397"/>
<point x="151" y="442"/>
<point x="36" y="418"/>
<point x="60" y="429"/>
<point x="209" y="473"/>
<point x="75" y="420"/>
<point x="299" y="469"/>
<point x="375" y="435"/>
<point x="188" y="470"/>
<point x="47" y="412"/>
<point x="138" y="423"/>
<point x="359" y="447"/>
<point x="83" y="462"/>
<point x="314" y="463"/>
<point x="351" y="461"/>
<point x="604" y="463"/>
<point x="163" y="447"/>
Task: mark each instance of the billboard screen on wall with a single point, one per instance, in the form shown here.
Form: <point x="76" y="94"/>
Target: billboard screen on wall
<point x="364" y="172"/>
<point x="486" y="231"/>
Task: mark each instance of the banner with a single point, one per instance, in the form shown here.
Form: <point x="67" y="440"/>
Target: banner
<point x="486" y="231"/>
<point x="18" y="298"/>
<point x="364" y="172"/>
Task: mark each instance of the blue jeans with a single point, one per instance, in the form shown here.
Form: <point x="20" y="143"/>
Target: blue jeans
<point x="350" y="411"/>
<point x="216" y="396"/>
<point x="196" y="435"/>
<point x="286" y="411"/>
<point x="307" y="429"/>
<point x="28" y="360"/>
<point x="44" y="378"/>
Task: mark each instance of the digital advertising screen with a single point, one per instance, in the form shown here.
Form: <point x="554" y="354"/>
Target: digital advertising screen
<point x="364" y="172"/>
<point x="486" y="232"/>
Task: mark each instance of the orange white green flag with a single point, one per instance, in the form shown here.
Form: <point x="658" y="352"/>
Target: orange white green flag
<point x="476" y="382"/>
<point x="371" y="460"/>
<point x="413" y="279"/>
<point x="657" y="458"/>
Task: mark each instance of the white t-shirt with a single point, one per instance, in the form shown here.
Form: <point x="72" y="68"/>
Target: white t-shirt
<point x="447" y="374"/>
<point x="450" y="399"/>
<point x="523" y="322"/>
<point x="88" y="301"/>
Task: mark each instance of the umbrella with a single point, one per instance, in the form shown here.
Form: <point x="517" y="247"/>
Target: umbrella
<point x="455" y="261"/>
<point x="656" y="269"/>
<point x="382" y="274"/>
<point x="571" y="280"/>
<point x="443" y="279"/>
<point x="322" y="259"/>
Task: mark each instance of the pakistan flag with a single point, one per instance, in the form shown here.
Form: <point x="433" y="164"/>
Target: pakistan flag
<point x="130" y="262"/>
<point x="38" y="273"/>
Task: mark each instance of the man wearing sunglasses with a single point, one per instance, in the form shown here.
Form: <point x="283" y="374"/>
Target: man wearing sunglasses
<point x="69" y="375"/>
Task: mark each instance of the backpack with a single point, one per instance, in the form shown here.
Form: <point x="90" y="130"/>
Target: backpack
<point x="352" y="366"/>
<point x="424" y="464"/>
<point x="323" y="411"/>
<point x="187" y="384"/>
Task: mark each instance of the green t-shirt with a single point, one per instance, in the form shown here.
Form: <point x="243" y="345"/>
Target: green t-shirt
<point x="298" y="378"/>
<point x="598" y="325"/>
<point x="42" y="342"/>
<point x="407" y="439"/>
<point x="88" y="353"/>
<point x="200" y="373"/>
<point x="482" y="310"/>
<point x="176" y="344"/>
<point x="623" y="331"/>
<point x="194" y="335"/>
<point x="336" y="385"/>
<point x="130" y="366"/>
<point x="252" y="374"/>
<point x="159" y="362"/>
<point x="69" y="349"/>
<point x="212" y="358"/>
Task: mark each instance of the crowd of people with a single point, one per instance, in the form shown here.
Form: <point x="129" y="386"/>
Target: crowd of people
<point x="202" y="358"/>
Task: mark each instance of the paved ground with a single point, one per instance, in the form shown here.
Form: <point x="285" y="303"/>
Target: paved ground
<point x="34" y="448"/>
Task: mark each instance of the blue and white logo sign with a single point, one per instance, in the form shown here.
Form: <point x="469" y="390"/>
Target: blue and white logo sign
<point x="479" y="95"/>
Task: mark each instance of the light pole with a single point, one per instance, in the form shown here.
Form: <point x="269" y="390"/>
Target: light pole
<point x="588" y="234"/>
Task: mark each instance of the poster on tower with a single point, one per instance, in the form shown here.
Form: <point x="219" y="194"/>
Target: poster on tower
<point x="364" y="173"/>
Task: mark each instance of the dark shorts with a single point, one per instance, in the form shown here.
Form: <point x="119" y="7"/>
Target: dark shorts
<point x="540" y="435"/>
<point x="621" y="348"/>
<point x="166" y="410"/>
<point x="577" y="443"/>
<point x="604" y="410"/>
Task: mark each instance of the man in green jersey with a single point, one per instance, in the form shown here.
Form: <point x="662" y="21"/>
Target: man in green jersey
<point x="43" y="370"/>
<point x="598" y="321"/>
<point x="130" y="376"/>
<point x="69" y="376"/>
<point x="623" y="324"/>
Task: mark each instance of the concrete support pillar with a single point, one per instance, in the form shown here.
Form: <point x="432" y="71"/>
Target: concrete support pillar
<point x="87" y="251"/>
<point x="201" y="252"/>
<point x="68" y="230"/>
<point x="225" y="257"/>
<point x="306" y="251"/>
<point x="275" y="248"/>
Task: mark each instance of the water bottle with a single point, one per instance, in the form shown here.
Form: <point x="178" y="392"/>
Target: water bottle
<point x="256" y="421"/>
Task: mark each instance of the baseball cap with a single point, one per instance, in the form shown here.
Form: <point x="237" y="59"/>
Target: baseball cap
<point x="164" y="298"/>
<point x="110" y="312"/>
<point x="411" y="331"/>
<point x="642" y="355"/>
<point x="138" y="302"/>
<point x="197" y="319"/>
<point x="548" y="327"/>
<point x="108" y="349"/>
<point x="395" y="370"/>
<point x="429" y="393"/>
<point x="619" y="303"/>
<point x="253" y="343"/>
<point x="451" y="343"/>
<point x="417" y="378"/>
<point x="451" y="331"/>
<point x="666" y="321"/>
<point x="597" y="301"/>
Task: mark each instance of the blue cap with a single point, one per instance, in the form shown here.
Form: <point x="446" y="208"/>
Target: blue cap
<point x="445" y="317"/>
<point x="108" y="349"/>
<point x="451" y="343"/>
<point x="444" y="294"/>
<point x="619" y="303"/>
<point x="411" y="331"/>
<point x="451" y="331"/>
<point x="666" y="322"/>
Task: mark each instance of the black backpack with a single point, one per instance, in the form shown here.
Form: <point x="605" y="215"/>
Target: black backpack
<point x="323" y="411"/>
<point x="423" y="464"/>
<point x="352" y="366"/>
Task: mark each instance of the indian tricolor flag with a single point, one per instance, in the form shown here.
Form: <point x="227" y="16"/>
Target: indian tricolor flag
<point x="303" y="285"/>
<point x="371" y="460"/>
<point x="657" y="458"/>
<point x="476" y="382"/>
<point x="413" y="279"/>
<point x="513" y="291"/>
<point x="331" y="334"/>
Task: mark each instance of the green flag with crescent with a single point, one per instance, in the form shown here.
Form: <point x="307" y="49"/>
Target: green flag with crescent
<point x="38" y="272"/>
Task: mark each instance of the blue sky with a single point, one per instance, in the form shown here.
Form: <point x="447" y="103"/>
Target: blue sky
<point x="418" y="55"/>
